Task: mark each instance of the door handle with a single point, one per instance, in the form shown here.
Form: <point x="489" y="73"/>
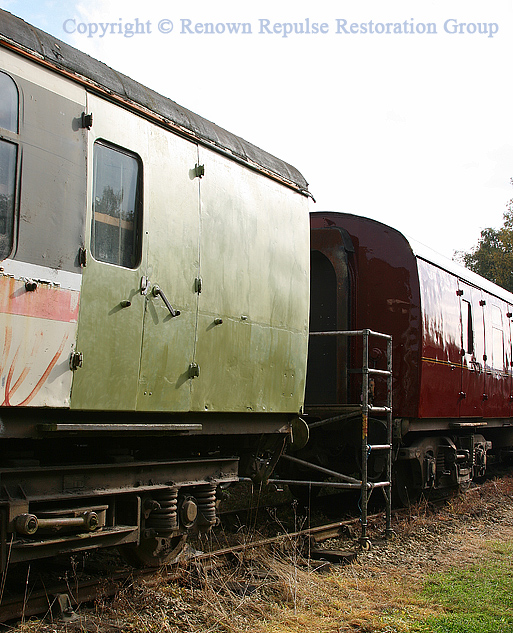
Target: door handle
<point x="158" y="292"/>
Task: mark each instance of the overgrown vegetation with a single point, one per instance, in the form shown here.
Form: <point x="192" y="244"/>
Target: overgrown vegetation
<point x="449" y="570"/>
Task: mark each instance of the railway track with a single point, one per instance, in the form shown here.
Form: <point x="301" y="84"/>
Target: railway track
<point x="57" y="599"/>
<point x="58" y="596"/>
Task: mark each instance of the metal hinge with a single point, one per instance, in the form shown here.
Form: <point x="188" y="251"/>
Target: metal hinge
<point x="75" y="361"/>
<point x="87" y="121"/>
<point x="198" y="284"/>
<point x="193" y="370"/>
<point x="199" y="170"/>
<point x="82" y="257"/>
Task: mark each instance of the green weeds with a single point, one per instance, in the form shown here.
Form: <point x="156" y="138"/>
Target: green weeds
<point x="477" y="599"/>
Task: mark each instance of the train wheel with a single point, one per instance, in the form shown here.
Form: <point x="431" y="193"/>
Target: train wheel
<point x="154" y="552"/>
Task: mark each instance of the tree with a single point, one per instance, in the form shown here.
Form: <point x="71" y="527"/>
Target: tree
<point x="492" y="258"/>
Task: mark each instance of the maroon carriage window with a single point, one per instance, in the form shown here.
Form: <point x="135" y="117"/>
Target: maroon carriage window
<point x="467" y="327"/>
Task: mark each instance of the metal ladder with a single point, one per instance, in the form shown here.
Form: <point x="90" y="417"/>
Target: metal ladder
<point x="363" y="410"/>
<point x="366" y="447"/>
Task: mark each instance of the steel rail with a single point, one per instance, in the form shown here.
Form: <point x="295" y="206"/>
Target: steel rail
<point x="44" y="601"/>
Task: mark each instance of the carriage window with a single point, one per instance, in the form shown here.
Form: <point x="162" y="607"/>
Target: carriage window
<point x="467" y="329"/>
<point x="8" y="161"/>
<point x="8" y="104"/>
<point x="8" y="157"/>
<point x="497" y="339"/>
<point x="117" y="208"/>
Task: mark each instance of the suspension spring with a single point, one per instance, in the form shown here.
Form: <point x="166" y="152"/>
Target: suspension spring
<point x="164" y="519"/>
<point x="206" y="499"/>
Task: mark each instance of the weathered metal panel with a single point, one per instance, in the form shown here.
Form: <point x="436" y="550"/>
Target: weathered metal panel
<point x="37" y="335"/>
<point x="109" y="336"/>
<point x="172" y="234"/>
<point x="38" y="321"/>
<point x="255" y="278"/>
<point x="135" y="356"/>
<point x="124" y="368"/>
<point x="53" y="149"/>
<point x="52" y="206"/>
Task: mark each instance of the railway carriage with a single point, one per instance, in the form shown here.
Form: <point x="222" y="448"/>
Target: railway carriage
<point x="154" y="314"/>
<point x="154" y="299"/>
<point x="452" y="355"/>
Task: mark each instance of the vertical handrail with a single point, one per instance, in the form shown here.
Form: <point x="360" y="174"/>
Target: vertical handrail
<point x="388" y="491"/>
<point x="365" y="432"/>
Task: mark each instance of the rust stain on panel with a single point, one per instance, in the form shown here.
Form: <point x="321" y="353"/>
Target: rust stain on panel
<point x="47" y="302"/>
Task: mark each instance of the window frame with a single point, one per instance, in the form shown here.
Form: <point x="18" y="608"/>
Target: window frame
<point x="13" y="137"/>
<point x="467" y="318"/>
<point x="138" y="205"/>
<point x="497" y="342"/>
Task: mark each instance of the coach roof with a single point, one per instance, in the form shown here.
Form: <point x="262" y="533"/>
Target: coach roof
<point x="20" y="36"/>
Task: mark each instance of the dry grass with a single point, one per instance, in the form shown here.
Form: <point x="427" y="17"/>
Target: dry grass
<point x="276" y="592"/>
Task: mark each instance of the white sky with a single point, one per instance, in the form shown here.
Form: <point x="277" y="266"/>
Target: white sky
<point x="412" y="130"/>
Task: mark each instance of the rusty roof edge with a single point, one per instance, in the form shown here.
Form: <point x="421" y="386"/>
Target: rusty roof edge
<point x="192" y="126"/>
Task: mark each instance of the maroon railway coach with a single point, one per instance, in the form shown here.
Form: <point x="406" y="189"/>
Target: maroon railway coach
<point x="452" y="353"/>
